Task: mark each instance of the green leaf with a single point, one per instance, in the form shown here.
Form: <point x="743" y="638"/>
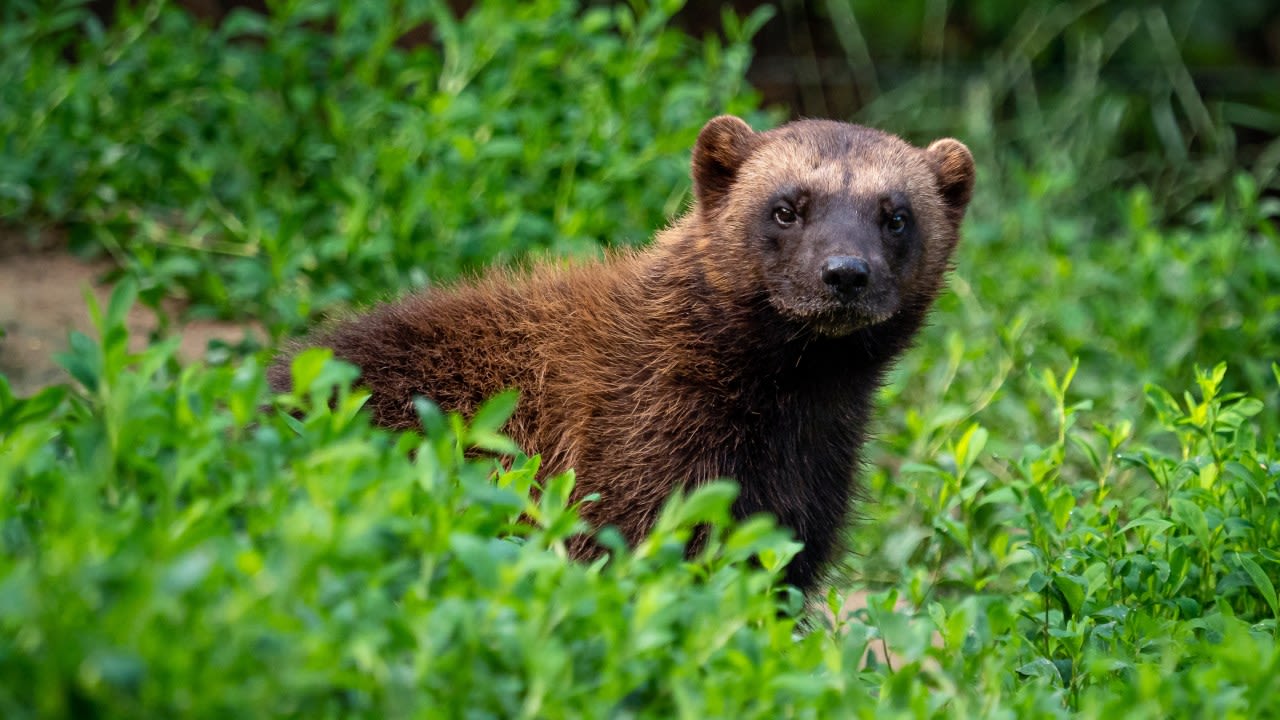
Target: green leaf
<point x="123" y="296"/>
<point x="1234" y="415"/>
<point x="708" y="503"/>
<point x="1072" y="588"/>
<point x="40" y="406"/>
<point x="1041" y="668"/>
<point x="1063" y="504"/>
<point x="1159" y="525"/>
<point x="970" y="446"/>
<point x="306" y="368"/>
<point x="434" y="421"/>
<point x="1191" y="516"/>
<point x="494" y="413"/>
<point x="1166" y="407"/>
<point x="774" y="556"/>
<point x="752" y="535"/>
<point x="921" y="469"/>
<point x="1261" y="582"/>
<point x="1038" y="581"/>
<point x="1085" y="447"/>
<point x="83" y="361"/>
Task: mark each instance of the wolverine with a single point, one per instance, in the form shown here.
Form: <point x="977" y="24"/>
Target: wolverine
<point x="746" y="342"/>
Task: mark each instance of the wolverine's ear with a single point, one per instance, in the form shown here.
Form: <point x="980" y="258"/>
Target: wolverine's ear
<point x="722" y="146"/>
<point x="953" y="163"/>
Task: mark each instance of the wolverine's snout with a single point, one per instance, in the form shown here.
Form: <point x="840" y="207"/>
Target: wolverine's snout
<point x="846" y="275"/>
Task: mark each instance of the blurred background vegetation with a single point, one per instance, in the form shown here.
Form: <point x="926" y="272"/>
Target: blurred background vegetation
<point x="833" y="58"/>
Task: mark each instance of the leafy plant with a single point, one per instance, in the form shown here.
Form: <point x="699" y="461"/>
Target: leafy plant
<point x="307" y="158"/>
<point x="312" y="564"/>
<point x="1047" y="531"/>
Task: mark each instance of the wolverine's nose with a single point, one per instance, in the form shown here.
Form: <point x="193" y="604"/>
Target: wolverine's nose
<point x="845" y="274"/>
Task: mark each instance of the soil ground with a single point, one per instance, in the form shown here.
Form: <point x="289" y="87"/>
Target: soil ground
<point x="42" y="300"/>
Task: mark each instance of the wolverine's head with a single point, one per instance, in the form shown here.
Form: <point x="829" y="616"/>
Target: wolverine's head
<point x="843" y="223"/>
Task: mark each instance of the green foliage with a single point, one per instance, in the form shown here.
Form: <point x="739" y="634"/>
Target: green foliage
<point x="1128" y="573"/>
<point x="1120" y="562"/>
<point x="168" y="549"/>
<point x="1113" y="87"/>
<point x="1052" y="527"/>
<point x="309" y="564"/>
<point x="1142" y="258"/>
<point x="306" y="157"/>
<point x="1040" y="284"/>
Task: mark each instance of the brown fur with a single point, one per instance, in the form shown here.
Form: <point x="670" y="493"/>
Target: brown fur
<point x="716" y="352"/>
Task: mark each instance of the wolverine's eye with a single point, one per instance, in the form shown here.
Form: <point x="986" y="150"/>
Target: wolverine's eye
<point x="784" y="216"/>
<point x="897" y="223"/>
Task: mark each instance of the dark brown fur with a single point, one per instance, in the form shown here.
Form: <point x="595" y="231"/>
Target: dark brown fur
<point x="716" y="352"/>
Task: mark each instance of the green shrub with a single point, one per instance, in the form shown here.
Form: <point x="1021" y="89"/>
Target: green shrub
<point x="172" y="545"/>
<point x="169" y="550"/>
<point x="1047" y="532"/>
<point x="1138" y="574"/>
<point x="305" y="158"/>
<point x="1143" y="257"/>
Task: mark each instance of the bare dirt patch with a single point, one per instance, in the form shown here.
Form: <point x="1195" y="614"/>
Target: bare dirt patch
<point x="42" y="301"/>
